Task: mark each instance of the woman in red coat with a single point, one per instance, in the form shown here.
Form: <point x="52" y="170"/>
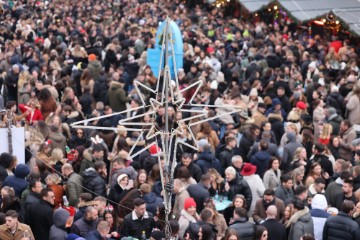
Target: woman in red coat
<point x="32" y="110"/>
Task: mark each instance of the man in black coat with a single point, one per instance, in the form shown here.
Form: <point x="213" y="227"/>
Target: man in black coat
<point x="276" y="230"/>
<point x="87" y="223"/>
<point x="138" y="220"/>
<point x="41" y="215"/>
<point x="200" y="191"/>
<point x="237" y="185"/>
<point x="241" y="225"/>
<point x="35" y="188"/>
<point x="342" y="226"/>
<point x="194" y="169"/>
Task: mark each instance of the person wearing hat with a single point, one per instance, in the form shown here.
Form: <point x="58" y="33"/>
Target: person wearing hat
<point x="236" y="184"/>
<point x="276" y="107"/>
<point x="300" y="222"/>
<point x="187" y="215"/>
<point x="94" y="67"/>
<point x="255" y="183"/>
<point x="122" y="187"/>
<point x="319" y="214"/>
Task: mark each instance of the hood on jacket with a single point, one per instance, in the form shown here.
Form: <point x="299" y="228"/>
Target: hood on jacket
<point x="207" y="156"/>
<point x="22" y="170"/>
<point x="95" y="63"/>
<point x="291" y="136"/>
<point x="115" y="85"/>
<point x="6" y="159"/>
<point x="275" y="101"/>
<point x="150" y="197"/>
<point x="273" y="117"/>
<point x="90" y="174"/>
<point x="262" y="155"/>
<point x="319" y="202"/>
<point x="87" y="154"/>
<point x="301" y="215"/>
<point x="60" y="217"/>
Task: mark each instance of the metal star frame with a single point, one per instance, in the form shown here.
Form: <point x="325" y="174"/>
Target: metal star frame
<point x="167" y="137"/>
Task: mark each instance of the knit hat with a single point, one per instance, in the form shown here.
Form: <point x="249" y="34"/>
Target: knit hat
<point x="154" y="150"/>
<point x="301" y="105"/>
<point x="319" y="202"/>
<point x="189" y="202"/>
<point x="120" y="177"/>
<point x="253" y="92"/>
<point x="331" y="111"/>
<point x="296" y="95"/>
<point x="312" y="65"/>
<point x="92" y="57"/>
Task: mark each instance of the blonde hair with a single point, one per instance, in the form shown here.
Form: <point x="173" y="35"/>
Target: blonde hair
<point x="53" y="178"/>
<point x="56" y="155"/>
<point x="218" y="178"/>
<point x="297" y="153"/>
<point x="326" y="132"/>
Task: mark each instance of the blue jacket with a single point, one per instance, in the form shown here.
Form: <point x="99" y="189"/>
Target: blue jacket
<point x="18" y="181"/>
<point x="207" y="160"/>
<point x="152" y="202"/>
<point x="261" y="161"/>
<point x="94" y="235"/>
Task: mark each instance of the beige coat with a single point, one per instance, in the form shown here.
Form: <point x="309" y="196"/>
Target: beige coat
<point x="353" y="107"/>
<point x="179" y="202"/>
<point x="271" y="180"/>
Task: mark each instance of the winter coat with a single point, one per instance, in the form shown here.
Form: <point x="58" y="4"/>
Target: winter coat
<point x="319" y="217"/>
<point x="336" y="101"/>
<point x="94" y="182"/>
<point x="239" y="186"/>
<point x="200" y="193"/>
<point x="260" y="210"/>
<point x="261" y="160"/>
<point x="41" y="219"/>
<point x="5" y="162"/>
<point x="207" y="160"/>
<point x="245" y="145"/>
<point x="94" y="68"/>
<point x="332" y="190"/>
<point x="353" y="107"/>
<point x="335" y="121"/>
<point x="74" y="188"/>
<point x="179" y="201"/>
<point x="194" y="169"/>
<point x="325" y="163"/>
<point x="24" y="96"/>
<point x="341" y="227"/>
<point x="184" y="222"/>
<point x="276" y="230"/>
<point x="22" y="228"/>
<point x="81" y="227"/>
<point x="272" y="180"/>
<point x="289" y="150"/>
<point x="152" y="202"/>
<point x="225" y="157"/>
<point x="58" y="230"/>
<point x="95" y="235"/>
<point x="257" y="190"/>
<point x="58" y="141"/>
<point x="117" y="97"/>
<point x="272" y="149"/>
<point x="283" y="193"/>
<point x="345" y="147"/>
<point x="117" y="193"/>
<point x="244" y="229"/>
<point x="17" y="181"/>
<point x="259" y="118"/>
<point x="277" y="125"/>
<point x="301" y="223"/>
<point x="130" y="171"/>
<point x="133" y="226"/>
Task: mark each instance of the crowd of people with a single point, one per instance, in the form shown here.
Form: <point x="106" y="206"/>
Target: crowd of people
<point x="288" y="162"/>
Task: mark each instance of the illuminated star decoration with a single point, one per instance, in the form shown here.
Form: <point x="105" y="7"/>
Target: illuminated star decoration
<point x="168" y="137"/>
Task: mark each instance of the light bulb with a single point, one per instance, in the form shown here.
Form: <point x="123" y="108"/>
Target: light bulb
<point x="275" y="7"/>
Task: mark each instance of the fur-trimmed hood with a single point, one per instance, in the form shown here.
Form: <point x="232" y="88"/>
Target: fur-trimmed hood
<point x="275" y="116"/>
<point x="301" y="215"/>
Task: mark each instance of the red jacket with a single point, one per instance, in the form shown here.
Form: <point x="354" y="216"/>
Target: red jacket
<point x="31" y="118"/>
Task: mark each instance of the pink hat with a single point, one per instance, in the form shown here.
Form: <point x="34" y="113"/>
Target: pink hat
<point x="301" y="105"/>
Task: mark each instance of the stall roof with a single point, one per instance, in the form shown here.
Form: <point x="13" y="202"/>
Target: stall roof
<point x="254" y="5"/>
